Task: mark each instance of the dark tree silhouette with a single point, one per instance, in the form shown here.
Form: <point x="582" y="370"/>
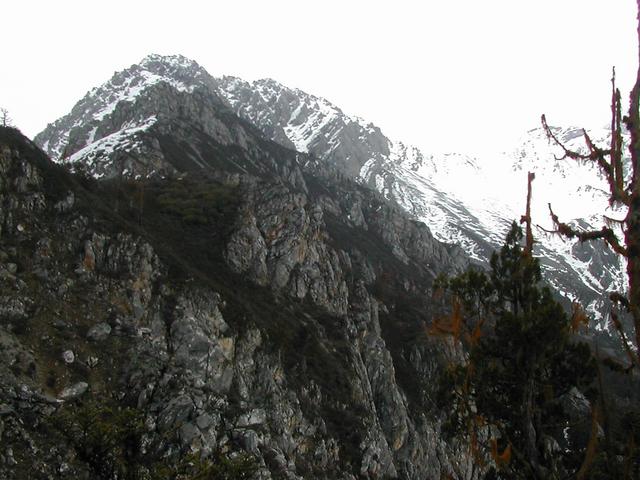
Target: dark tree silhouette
<point x="522" y="361"/>
<point x="5" y="119"/>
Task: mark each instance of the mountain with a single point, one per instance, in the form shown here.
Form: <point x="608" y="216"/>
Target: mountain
<point x="198" y="296"/>
<point x="463" y="200"/>
<point x="239" y="276"/>
<point x="99" y="117"/>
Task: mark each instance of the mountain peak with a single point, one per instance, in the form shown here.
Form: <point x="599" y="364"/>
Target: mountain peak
<point x="171" y="66"/>
<point x="177" y="60"/>
<point x="80" y="127"/>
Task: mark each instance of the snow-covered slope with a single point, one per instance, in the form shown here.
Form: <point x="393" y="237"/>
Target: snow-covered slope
<point x="106" y="119"/>
<point x="305" y="122"/>
<point x="471" y="201"/>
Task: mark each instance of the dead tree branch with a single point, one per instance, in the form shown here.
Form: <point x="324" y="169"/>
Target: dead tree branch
<point x="605" y="233"/>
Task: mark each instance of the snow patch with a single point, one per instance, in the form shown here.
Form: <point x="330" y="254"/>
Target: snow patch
<point x="121" y="141"/>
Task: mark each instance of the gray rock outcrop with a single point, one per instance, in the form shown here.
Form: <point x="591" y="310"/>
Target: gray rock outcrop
<point x="239" y="298"/>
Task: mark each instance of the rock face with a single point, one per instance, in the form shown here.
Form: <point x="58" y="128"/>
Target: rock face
<point x="243" y="279"/>
<point x="462" y="199"/>
<point x="237" y="302"/>
<point x="129" y="127"/>
<point x="306" y="123"/>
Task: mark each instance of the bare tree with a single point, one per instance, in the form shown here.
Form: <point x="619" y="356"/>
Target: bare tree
<point x="5" y="119"/>
<point x="624" y="192"/>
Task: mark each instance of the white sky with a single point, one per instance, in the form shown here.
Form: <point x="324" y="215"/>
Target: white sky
<point x="456" y="75"/>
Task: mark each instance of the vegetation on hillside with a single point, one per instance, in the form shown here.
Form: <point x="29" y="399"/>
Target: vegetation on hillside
<point x="522" y="363"/>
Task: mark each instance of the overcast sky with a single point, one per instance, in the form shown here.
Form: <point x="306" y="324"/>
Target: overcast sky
<point x="452" y="75"/>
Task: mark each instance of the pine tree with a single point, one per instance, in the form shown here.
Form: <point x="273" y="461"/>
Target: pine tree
<point x="506" y="397"/>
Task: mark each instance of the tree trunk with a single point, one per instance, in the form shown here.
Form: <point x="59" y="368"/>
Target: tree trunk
<point x="632" y="239"/>
<point x="632" y="233"/>
<point x="529" y="430"/>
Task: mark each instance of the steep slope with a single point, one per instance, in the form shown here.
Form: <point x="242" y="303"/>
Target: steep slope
<point x="306" y="123"/>
<point x="466" y="201"/>
<point x="234" y="302"/>
<point x="100" y="116"/>
<point x="484" y="195"/>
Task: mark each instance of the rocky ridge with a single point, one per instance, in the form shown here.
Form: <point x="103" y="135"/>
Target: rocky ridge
<point x="237" y="302"/>
<point x="325" y="372"/>
<point x="443" y="190"/>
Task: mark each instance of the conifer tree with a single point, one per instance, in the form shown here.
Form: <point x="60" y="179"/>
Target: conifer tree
<point x="506" y="397"/>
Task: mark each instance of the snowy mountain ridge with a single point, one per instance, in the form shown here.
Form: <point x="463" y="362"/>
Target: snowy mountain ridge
<point x="464" y="200"/>
<point x="84" y="126"/>
<point x="482" y="196"/>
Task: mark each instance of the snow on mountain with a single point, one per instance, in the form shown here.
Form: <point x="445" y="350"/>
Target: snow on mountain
<point x="471" y="202"/>
<point x="95" y="117"/>
<point x="305" y="122"/>
<point x="122" y="141"/>
<point x="464" y="200"/>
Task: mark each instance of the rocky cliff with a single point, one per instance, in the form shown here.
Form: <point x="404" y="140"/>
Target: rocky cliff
<point x="466" y="201"/>
<point x="210" y="304"/>
<point x="469" y="201"/>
